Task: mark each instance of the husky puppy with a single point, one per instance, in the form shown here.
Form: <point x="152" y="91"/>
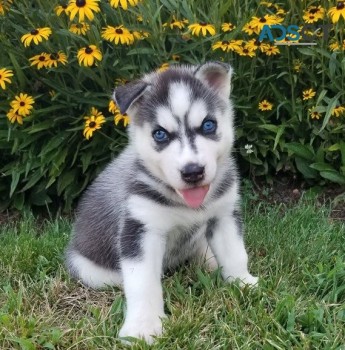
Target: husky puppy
<point x="170" y="196"/>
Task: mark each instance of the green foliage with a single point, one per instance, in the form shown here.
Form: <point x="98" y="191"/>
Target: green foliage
<point x="47" y="160"/>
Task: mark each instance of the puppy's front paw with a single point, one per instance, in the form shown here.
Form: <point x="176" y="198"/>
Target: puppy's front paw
<point x="144" y="328"/>
<point x="249" y="280"/>
<point x="245" y="280"/>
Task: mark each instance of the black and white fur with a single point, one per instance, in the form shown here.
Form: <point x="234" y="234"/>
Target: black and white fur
<point x="134" y="221"/>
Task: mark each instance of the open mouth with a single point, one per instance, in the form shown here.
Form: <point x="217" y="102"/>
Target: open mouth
<point x="194" y="197"/>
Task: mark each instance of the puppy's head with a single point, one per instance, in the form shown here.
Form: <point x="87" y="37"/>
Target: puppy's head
<point x="182" y="125"/>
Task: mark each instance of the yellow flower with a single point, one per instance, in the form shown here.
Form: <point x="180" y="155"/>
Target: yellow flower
<point x="228" y="27"/>
<point x="308" y="94"/>
<point x="223" y="45"/>
<point x="250" y="29"/>
<point x="123" y="3"/>
<point x="297" y="65"/>
<point x="140" y="35"/>
<point x="87" y="55"/>
<point x="118" y="116"/>
<point x="202" y="27"/>
<point x="334" y="46"/>
<point x="338" y="111"/>
<point x="255" y="44"/>
<point x="264" y="105"/>
<point x="79" y="28"/>
<point x="113" y="107"/>
<point x="22" y="104"/>
<point x="163" y="67"/>
<point x="84" y="8"/>
<point x="40" y="60"/>
<point x="271" y="50"/>
<point x="119" y="35"/>
<point x="13" y="117"/>
<point x="55" y="58"/>
<point x="61" y="9"/>
<point x="5" y="75"/>
<point x="36" y="35"/>
<point x="246" y="50"/>
<point x="228" y="45"/>
<point x="176" y="58"/>
<point x="273" y="7"/>
<point x="337" y="11"/>
<point x="175" y="23"/>
<point x="5" y="6"/>
<point x="260" y="22"/>
<point x="314" y="114"/>
<point x="93" y="122"/>
<point x="313" y="14"/>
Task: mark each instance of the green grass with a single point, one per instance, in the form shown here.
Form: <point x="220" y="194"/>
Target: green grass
<point x="300" y="303"/>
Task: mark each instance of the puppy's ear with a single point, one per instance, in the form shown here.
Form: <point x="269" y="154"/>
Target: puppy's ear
<point x="126" y="95"/>
<point x="217" y="76"/>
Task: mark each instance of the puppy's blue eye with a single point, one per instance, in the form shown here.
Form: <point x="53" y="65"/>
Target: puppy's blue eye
<point x="208" y="126"/>
<point x="160" y="135"/>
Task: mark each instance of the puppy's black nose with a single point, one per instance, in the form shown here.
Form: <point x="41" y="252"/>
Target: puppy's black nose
<point x="192" y="173"/>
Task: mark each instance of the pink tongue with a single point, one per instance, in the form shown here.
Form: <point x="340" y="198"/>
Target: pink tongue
<point x="194" y="197"/>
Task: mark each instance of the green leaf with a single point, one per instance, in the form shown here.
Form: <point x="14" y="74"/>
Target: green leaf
<point x="66" y="179"/>
<point x="332" y="104"/>
<point x="342" y="150"/>
<point x="33" y="179"/>
<point x="15" y="179"/>
<point x="333" y="176"/>
<point x="278" y="136"/>
<point x="300" y="150"/>
<point x="303" y="167"/>
<point x="322" y="167"/>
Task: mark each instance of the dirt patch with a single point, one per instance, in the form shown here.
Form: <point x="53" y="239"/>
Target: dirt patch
<point x="289" y="191"/>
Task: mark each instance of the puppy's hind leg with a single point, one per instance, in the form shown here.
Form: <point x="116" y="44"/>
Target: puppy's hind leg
<point x="90" y="273"/>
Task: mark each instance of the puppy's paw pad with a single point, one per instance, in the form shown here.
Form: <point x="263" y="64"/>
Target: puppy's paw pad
<point x="142" y="329"/>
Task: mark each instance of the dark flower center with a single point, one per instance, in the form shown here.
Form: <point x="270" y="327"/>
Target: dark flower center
<point x="0" y="77"/>
<point x="42" y="58"/>
<point x="80" y="3"/>
<point x="119" y="31"/>
<point x="34" y="32"/>
<point x="340" y="5"/>
<point x="245" y="50"/>
<point x="22" y="104"/>
<point x="92" y="124"/>
<point x="203" y="24"/>
<point x="311" y="17"/>
<point x="257" y="42"/>
<point x="263" y="20"/>
<point x="88" y="50"/>
<point x="225" y="42"/>
<point x="64" y="6"/>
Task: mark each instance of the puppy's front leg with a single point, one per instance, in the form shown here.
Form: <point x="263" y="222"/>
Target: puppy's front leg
<point x="225" y="237"/>
<point x="143" y="290"/>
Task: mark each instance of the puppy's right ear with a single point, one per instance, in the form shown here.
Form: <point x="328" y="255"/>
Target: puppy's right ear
<point x="126" y="95"/>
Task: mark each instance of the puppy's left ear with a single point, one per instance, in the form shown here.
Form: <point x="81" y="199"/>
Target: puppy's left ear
<point x="217" y="76"/>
